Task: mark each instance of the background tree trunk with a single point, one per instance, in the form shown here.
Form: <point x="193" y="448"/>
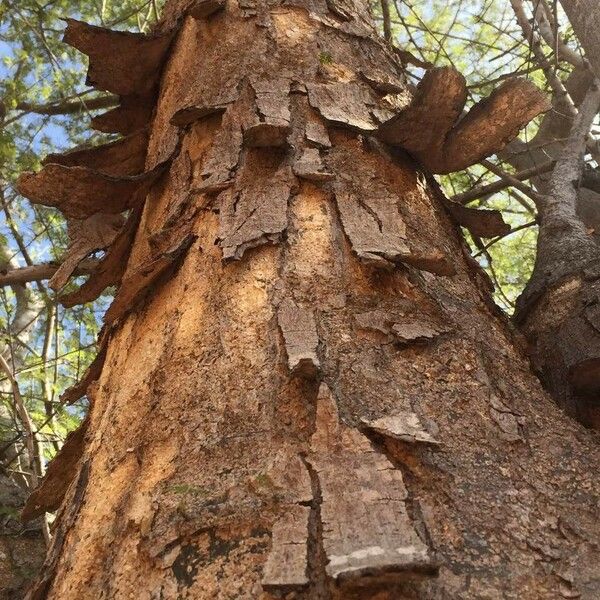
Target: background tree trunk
<point x="584" y="16"/>
<point x="337" y="409"/>
<point x="557" y="308"/>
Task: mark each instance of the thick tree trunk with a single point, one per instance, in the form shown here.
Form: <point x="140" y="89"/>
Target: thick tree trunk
<point x="336" y="410"/>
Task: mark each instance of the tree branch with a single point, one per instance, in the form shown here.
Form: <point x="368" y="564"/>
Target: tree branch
<point x="42" y="272"/>
<point x="387" y="21"/>
<point x="502" y="183"/>
<point x="69" y="107"/>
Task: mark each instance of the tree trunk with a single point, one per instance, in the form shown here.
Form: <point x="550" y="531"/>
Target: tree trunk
<point x="307" y="391"/>
<point x="584" y="16"/>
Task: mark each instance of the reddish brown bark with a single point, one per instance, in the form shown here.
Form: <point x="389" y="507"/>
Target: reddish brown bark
<point x="317" y="398"/>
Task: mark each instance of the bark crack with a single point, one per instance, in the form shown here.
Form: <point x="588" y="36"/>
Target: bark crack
<point x="317" y="558"/>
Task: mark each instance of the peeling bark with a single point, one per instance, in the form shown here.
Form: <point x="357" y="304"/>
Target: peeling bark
<point x="254" y="211"/>
<point x="310" y="166"/>
<point x="91" y="375"/>
<point x="61" y="472"/>
<point x="123" y="157"/>
<point x="404" y="426"/>
<point x="299" y="331"/>
<point x="367" y="532"/>
<point x="218" y="169"/>
<point x="371" y="216"/>
<point x="214" y="471"/>
<point x="132" y="114"/>
<point x="120" y="62"/>
<point x="285" y="569"/>
<point x="80" y="192"/>
<point x="481" y="223"/>
<point x="111" y="268"/>
<point x="85" y="236"/>
<point x="271" y="123"/>
<point x="451" y="144"/>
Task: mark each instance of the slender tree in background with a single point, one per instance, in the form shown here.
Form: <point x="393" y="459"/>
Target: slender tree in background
<point x="303" y="386"/>
<point x="44" y="347"/>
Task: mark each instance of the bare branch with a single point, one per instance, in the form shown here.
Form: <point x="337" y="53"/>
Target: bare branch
<point x="69" y="107"/>
<point x="513" y="181"/>
<point x="502" y="183"/>
<point x="387" y="25"/>
<point x="42" y="272"/>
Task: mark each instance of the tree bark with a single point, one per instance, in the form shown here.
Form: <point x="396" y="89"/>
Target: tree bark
<point x="555" y="311"/>
<point x="584" y="16"/>
<point x="307" y="391"/>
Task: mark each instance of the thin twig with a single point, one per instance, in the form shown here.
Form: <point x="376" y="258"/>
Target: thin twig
<point x="502" y="183"/>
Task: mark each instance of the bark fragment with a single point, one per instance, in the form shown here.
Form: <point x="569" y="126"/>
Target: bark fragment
<point x="315" y="132"/>
<point x="286" y="567"/>
<point x="200" y="9"/>
<point x="480" y="222"/>
<point x="287" y="563"/>
<point x="92" y="374"/>
<point x="291" y="478"/>
<point x="404" y="426"/>
<point x="140" y="281"/>
<point x="80" y="192"/>
<point x="492" y="123"/>
<point x="222" y="160"/>
<point x="62" y="470"/>
<point x="437" y="104"/>
<point x="310" y="166"/>
<point x="376" y="229"/>
<point x="385" y="83"/>
<point x="348" y="104"/>
<point x="509" y="423"/>
<point x="190" y="114"/>
<point x="299" y="331"/>
<point x="402" y="329"/>
<point x="123" y="157"/>
<point x="430" y="128"/>
<point x="111" y="267"/>
<point x="373" y="224"/>
<point x="133" y="113"/>
<point x="254" y="211"/>
<point x="86" y="236"/>
<point x="270" y="124"/>
<point x="366" y="529"/>
<point x="120" y="62"/>
<point x="416" y="330"/>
